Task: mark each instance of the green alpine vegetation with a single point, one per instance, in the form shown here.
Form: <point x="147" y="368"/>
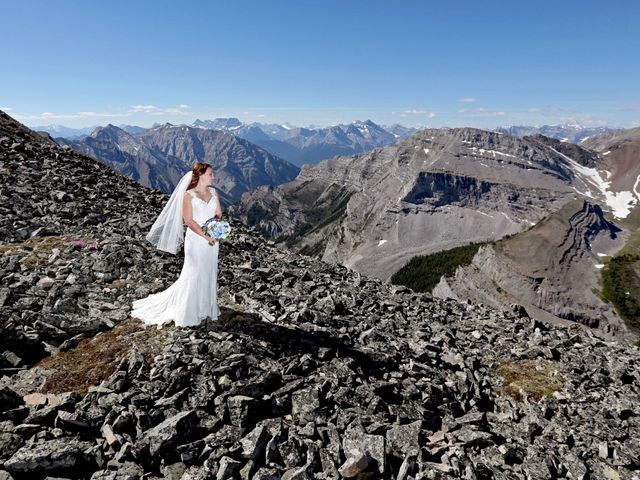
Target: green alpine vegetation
<point x="621" y="286"/>
<point x="423" y="272"/>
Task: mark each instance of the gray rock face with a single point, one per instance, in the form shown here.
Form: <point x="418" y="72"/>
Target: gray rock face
<point x="439" y="189"/>
<point x="620" y="151"/>
<point x="128" y="154"/>
<point x="612" y="139"/>
<point x="384" y="370"/>
<point x="169" y="433"/>
<point x="55" y="456"/>
<point x="552" y="270"/>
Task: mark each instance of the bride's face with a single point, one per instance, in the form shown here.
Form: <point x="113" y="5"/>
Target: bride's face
<point x="207" y="177"/>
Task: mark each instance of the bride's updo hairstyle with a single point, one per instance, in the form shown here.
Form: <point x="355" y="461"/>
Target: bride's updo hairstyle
<point x="197" y="169"/>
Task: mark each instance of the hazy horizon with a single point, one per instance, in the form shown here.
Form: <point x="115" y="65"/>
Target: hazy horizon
<point x="308" y="126"/>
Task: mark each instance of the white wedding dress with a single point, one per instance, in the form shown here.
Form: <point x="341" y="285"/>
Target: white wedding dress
<point x="193" y="296"/>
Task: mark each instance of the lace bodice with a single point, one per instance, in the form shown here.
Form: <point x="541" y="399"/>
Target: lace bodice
<point x="203" y="211"/>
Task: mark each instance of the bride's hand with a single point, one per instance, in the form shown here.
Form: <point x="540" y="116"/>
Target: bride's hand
<point x="211" y="240"/>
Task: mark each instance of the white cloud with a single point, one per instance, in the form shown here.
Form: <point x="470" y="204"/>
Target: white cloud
<point x="466" y="100"/>
<point x="533" y="109"/>
<point x="415" y="111"/>
<point x="6" y="109"/>
<point x="155" y="110"/>
<point x="481" y="112"/>
<point x="101" y="114"/>
<point x="144" y="108"/>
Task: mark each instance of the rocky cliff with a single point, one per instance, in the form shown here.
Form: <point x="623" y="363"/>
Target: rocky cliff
<point x="313" y="371"/>
<point x="439" y="189"/>
<point x="552" y="269"/>
<point x="621" y="153"/>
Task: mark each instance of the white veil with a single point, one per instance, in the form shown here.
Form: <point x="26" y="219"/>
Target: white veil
<point x="167" y="232"/>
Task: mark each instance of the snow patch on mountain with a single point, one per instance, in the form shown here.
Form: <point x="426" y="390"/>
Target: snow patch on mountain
<point x="620" y="203"/>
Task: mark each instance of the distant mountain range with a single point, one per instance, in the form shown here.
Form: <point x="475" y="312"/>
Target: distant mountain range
<point x="298" y="145"/>
<point x="570" y="132"/>
<point x="158" y="157"/>
<point x="57" y="131"/>
<point x="301" y="145"/>
<point x="66" y="132"/>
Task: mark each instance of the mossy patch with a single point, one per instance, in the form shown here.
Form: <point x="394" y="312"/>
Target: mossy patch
<point x="95" y="359"/>
<point x="35" y="251"/>
<point x="44" y="244"/>
<point x="120" y="283"/>
<point x="534" y="378"/>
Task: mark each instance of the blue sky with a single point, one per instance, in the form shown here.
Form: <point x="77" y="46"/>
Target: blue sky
<point x="420" y="63"/>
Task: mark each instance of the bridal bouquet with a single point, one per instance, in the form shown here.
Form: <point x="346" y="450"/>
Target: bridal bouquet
<point x="216" y="229"/>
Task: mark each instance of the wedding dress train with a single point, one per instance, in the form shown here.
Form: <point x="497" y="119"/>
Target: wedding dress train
<point x="193" y="296"/>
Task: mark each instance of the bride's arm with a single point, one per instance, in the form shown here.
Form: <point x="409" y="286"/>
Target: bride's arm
<point x="218" y="206"/>
<point x="187" y="216"/>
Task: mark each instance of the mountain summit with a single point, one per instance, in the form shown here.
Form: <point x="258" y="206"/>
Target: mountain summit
<point x="313" y="371"/>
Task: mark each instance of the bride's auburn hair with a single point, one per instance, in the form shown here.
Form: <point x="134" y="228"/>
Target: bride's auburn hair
<point x="197" y="170"/>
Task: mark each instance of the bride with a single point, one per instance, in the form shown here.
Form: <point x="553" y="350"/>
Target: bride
<point x="193" y="296"/>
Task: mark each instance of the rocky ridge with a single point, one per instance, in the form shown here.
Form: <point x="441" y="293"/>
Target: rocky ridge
<point x="553" y="270"/>
<point x="158" y="157"/>
<point x="621" y="151"/>
<point x="569" y="133"/>
<point x="313" y="371"/>
<point x="439" y="189"/>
